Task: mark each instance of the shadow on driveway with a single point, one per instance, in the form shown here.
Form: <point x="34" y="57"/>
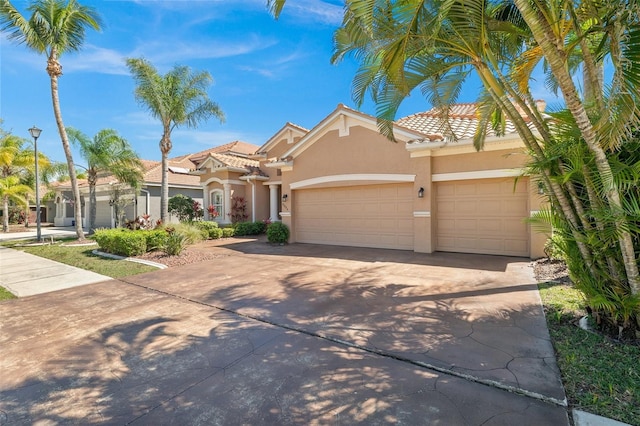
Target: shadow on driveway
<point x="211" y="343"/>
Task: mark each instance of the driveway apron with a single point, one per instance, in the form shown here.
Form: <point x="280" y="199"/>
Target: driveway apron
<point x="298" y="334"/>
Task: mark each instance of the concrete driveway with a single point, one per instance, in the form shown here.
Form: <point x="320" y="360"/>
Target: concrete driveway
<point x="297" y="334"/>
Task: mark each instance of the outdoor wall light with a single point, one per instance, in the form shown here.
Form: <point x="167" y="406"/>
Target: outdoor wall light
<point x="421" y="192"/>
<point x="284" y="197"/>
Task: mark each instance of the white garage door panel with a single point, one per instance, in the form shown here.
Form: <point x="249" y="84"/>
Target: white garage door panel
<point x="482" y="216"/>
<point x="361" y="216"/>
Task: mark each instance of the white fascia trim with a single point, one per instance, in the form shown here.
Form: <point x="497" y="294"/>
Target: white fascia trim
<point x="279" y="164"/>
<point x="285" y="214"/>
<point x="273" y="182"/>
<point x="174" y="186"/>
<point x="343" y="127"/>
<point x="479" y="174"/>
<point x="422" y="214"/>
<point x="253" y="177"/>
<point x="354" y="177"/>
<point x="222" y="181"/>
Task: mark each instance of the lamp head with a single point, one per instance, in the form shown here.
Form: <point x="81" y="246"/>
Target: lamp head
<point x="35" y="132"/>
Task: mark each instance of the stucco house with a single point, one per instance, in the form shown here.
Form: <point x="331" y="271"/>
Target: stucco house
<point x="181" y="181"/>
<point x="343" y="183"/>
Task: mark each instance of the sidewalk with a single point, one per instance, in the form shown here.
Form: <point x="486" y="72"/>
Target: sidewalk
<point x="24" y="274"/>
<point x="45" y="232"/>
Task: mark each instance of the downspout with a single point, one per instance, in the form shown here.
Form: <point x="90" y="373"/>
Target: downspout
<point x="253" y="200"/>
<point x="146" y="201"/>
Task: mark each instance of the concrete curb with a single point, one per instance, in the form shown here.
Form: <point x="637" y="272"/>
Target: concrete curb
<point x="129" y="259"/>
<point x="582" y="418"/>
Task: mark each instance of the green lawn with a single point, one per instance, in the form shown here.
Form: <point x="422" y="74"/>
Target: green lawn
<point x="82" y="257"/>
<point x="600" y="376"/>
<point x="6" y="294"/>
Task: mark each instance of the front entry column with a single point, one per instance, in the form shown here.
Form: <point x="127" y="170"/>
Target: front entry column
<point x="273" y="202"/>
<point x="205" y="202"/>
<point x="227" y="203"/>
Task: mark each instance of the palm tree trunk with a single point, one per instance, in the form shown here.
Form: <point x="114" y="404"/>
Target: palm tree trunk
<point x="165" y="148"/>
<point x="5" y="214"/>
<point x="557" y="58"/>
<point x="55" y="70"/>
<point x="92" y="204"/>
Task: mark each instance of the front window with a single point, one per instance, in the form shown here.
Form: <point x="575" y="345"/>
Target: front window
<point x="217" y="202"/>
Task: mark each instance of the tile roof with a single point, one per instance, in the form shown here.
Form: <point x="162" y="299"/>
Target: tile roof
<point x="462" y="123"/>
<point x="239" y="148"/>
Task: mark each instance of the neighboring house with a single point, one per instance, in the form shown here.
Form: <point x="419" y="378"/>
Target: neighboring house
<point x="181" y="181"/>
<point x="343" y="183"/>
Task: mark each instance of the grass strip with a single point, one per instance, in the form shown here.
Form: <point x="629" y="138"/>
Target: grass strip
<point x="81" y="257"/>
<point x="600" y="376"/>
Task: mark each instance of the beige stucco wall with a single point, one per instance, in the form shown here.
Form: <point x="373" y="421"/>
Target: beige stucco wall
<point x="474" y="161"/>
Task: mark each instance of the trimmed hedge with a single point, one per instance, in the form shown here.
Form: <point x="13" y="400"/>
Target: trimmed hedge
<point x="215" y="233"/>
<point x="211" y="228"/>
<point x="228" y="232"/>
<point x="249" y="228"/>
<point x="121" y="241"/>
<point x="156" y="238"/>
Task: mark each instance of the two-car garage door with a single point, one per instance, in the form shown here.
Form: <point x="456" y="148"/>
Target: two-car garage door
<point x="361" y="216"/>
<point x="471" y="216"/>
<point x="483" y="216"/>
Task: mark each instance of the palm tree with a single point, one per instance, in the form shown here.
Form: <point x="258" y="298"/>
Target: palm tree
<point x="12" y="190"/>
<point x="54" y="28"/>
<point x="107" y="152"/>
<point x="177" y="98"/>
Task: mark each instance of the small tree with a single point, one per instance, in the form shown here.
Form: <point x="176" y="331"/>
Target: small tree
<point x="185" y="207"/>
<point x="122" y="196"/>
<point x="238" y="210"/>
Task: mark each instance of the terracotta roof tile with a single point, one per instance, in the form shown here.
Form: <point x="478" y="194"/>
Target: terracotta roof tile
<point x="462" y="122"/>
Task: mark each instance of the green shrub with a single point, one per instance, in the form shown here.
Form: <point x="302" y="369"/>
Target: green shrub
<point x="211" y="228"/>
<point x="104" y="238"/>
<point x="249" y="228"/>
<point x="555" y="247"/>
<point x="175" y="243"/>
<point x="216" y="233"/>
<point x="228" y="232"/>
<point x="156" y="238"/>
<point x="121" y="241"/>
<point x="278" y="233"/>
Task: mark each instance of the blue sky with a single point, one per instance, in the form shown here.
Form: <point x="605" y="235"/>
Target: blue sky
<point x="266" y="72"/>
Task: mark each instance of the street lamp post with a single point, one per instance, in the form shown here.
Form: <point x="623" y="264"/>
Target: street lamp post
<point x="35" y="134"/>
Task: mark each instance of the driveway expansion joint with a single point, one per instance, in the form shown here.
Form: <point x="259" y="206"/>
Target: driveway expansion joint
<point x="446" y="371"/>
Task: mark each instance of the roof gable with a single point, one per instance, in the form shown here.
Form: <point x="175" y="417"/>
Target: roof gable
<point x="289" y="132"/>
<point x="342" y="119"/>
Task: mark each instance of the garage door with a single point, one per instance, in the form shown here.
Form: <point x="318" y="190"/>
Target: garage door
<point x="482" y="216"/>
<point x="361" y="216"/>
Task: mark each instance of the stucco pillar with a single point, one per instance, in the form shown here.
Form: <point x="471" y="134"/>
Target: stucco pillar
<point x="227" y="203"/>
<point x="205" y="202"/>
<point x="273" y="202"/>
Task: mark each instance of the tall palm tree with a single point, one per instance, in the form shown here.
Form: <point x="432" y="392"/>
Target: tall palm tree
<point x="178" y="98"/>
<point x="107" y="152"/>
<point x="12" y="190"/>
<point x="54" y="28"/>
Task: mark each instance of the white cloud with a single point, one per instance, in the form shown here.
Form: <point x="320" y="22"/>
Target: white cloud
<point x="169" y="52"/>
<point x="315" y="11"/>
<point x="96" y="59"/>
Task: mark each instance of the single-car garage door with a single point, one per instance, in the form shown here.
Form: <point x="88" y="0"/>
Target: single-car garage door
<point x="361" y="216"/>
<point x="483" y="216"/>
